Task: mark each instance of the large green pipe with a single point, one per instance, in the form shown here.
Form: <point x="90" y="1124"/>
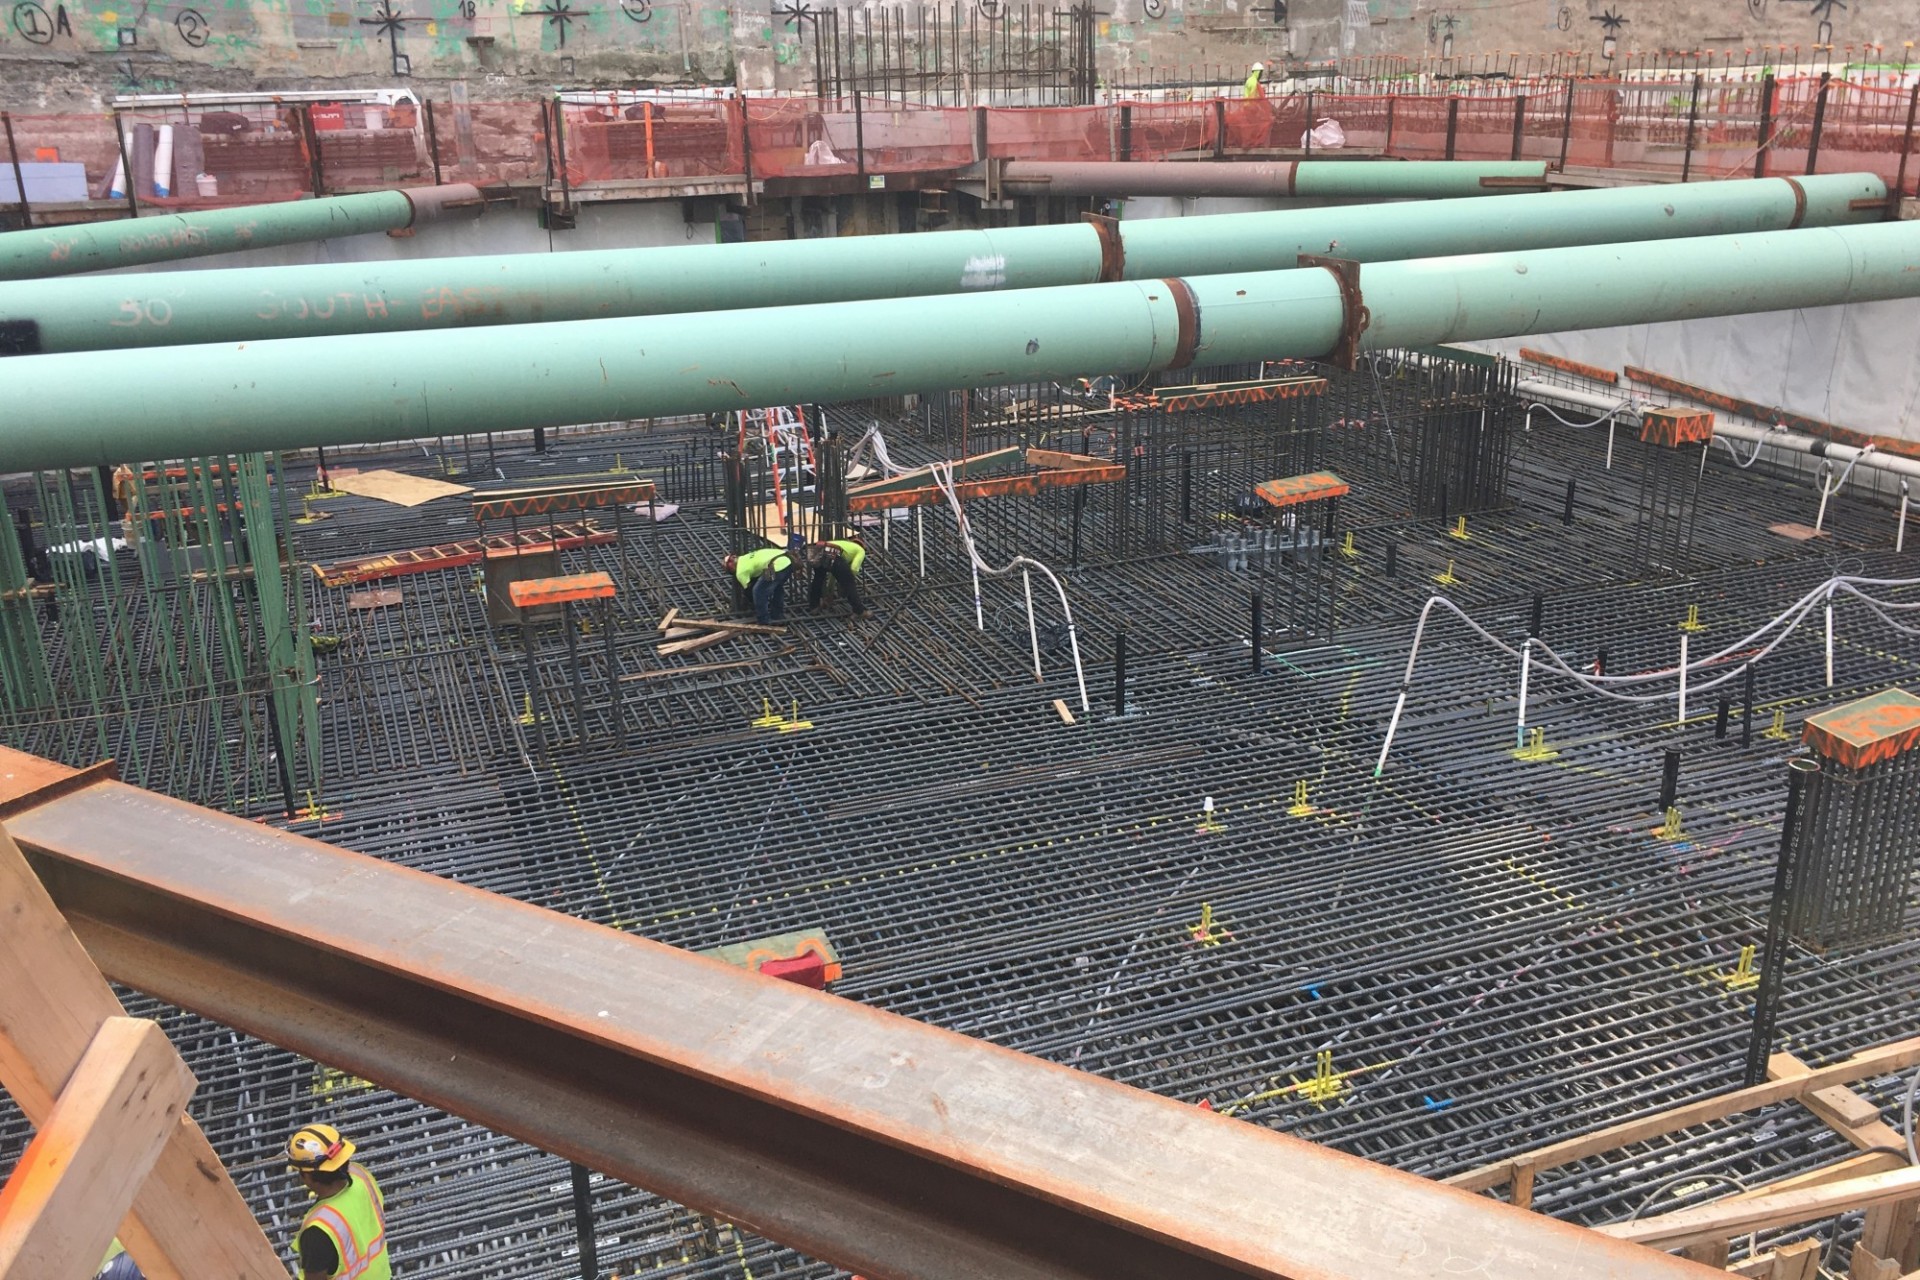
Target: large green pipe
<point x="98" y="246"/>
<point x="1328" y="179"/>
<point x="181" y="307"/>
<point x="101" y="407"/>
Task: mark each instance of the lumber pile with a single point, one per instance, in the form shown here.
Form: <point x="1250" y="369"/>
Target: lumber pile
<point x="680" y="635"/>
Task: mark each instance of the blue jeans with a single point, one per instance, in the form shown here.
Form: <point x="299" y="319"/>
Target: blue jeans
<point x="770" y="597"/>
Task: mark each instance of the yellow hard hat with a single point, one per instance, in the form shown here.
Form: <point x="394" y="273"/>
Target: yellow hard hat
<point x="319" y="1148"/>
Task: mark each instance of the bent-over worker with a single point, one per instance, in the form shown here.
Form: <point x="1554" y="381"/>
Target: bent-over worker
<point x="344" y="1234"/>
<point x="764" y="573"/>
<point x="841" y="558"/>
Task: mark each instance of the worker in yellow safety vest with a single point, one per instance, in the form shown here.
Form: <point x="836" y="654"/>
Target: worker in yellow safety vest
<point x="841" y="559"/>
<point x="1253" y="89"/>
<point x="344" y="1235"/>
<point x="764" y="573"/>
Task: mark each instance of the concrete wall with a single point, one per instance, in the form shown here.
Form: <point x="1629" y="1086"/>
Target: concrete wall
<point x="69" y="53"/>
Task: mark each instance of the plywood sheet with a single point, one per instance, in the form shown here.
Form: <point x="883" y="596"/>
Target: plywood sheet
<point x="397" y="487"/>
<point x="377" y="598"/>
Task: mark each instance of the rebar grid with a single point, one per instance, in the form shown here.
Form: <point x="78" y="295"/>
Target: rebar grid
<point x="1491" y="948"/>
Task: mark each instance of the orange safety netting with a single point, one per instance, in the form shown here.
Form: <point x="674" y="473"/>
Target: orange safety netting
<point x="1419" y="128"/>
<point x="1163" y="130"/>
<point x="794" y="136"/>
<point x="256" y="153"/>
<point x="653" y="138"/>
<point x="1053" y="133"/>
<point x="904" y="139"/>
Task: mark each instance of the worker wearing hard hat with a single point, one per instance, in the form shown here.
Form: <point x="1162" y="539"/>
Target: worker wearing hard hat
<point x="1253" y="80"/>
<point x="344" y="1235"/>
<point x="840" y="559"/>
<point x="764" y="573"/>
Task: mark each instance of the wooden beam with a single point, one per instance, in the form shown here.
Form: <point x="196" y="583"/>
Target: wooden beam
<point x="1839" y="1171"/>
<point x="1844" y="1111"/>
<point x="923" y="477"/>
<point x="188" y="1221"/>
<point x="1724" y="1218"/>
<point x="60" y="1209"/>
<point x="1882" y="1060"/>
<point x="1796" y="1261"/>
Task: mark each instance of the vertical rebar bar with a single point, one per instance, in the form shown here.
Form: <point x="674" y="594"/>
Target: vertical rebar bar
<point x="1766" y="1002"/>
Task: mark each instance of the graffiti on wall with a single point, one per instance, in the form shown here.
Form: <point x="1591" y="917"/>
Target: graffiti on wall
<point x="1822" y="13"/>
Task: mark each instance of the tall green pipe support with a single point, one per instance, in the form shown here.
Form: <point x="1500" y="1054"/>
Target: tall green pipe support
<point x="1328" y="179"/>
<point x="180" y="307"/>
<point x="100" y="246"/>
<point x="92" y="407"/>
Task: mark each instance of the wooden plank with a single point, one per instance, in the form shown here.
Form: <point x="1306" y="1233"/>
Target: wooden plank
<point x="694" y="645"/>
<point x="188" y="1221"/>
<point x="1797" y="1261"/>
<point x="1724" y="1218"/>
<point x="1839" y="1171"/>
<point x="60" y="1209"/>
<point x="545" y="500"/>
<point x="1565" y="365"/>
<point x="1521" y="1195"/>
<point x="921" y="477"/>
<point x="397" y="487"/>
<point x="1842" y="1107"/>
<point x="1879" y="1061"/>
<point x="1868" y="1265"/>
<point x="712" y="624"/>
<point x="1888" y="1229"/>
<point x="1027" y="483"/>
<point x="1844" y="1111"/>
<point x="1708" y="1253"/>
<point x="1063" y="461"/>
<point x="666" y="623"/>
<point x="1065" y="712"/>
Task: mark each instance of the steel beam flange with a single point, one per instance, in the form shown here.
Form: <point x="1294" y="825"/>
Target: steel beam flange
<point x="1354" y="315"/>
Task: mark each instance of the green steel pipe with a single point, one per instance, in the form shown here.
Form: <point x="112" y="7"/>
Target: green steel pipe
<point x="99" y="407"/>
<point x="1286" y="179"/>
<point x="100" y="246"/>
<point x="181" y="307"/>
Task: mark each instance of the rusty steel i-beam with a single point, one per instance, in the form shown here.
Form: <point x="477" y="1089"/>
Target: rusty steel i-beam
<point x="857" y="1136"/>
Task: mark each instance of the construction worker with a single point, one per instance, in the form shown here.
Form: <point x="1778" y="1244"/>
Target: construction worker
<point x="1253" y="89"/>
<point x="344" y="1235"/>
<point x="118" y="1264"/>
<point x="764" y="573"/>
<point x="841" y="558"/>
<point x="126" y="490"/>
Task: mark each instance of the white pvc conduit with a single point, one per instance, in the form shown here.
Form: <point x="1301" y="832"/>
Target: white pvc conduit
<point x="1538" y="653"/>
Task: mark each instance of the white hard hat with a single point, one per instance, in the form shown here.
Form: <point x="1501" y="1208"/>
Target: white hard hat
<point x="1259" y="66"/>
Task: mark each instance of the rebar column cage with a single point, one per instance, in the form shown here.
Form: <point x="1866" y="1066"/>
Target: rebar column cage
<point x="1859" y="829"/>
<point x="1673" y="464"/>
<point x="1462" y="448"/>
